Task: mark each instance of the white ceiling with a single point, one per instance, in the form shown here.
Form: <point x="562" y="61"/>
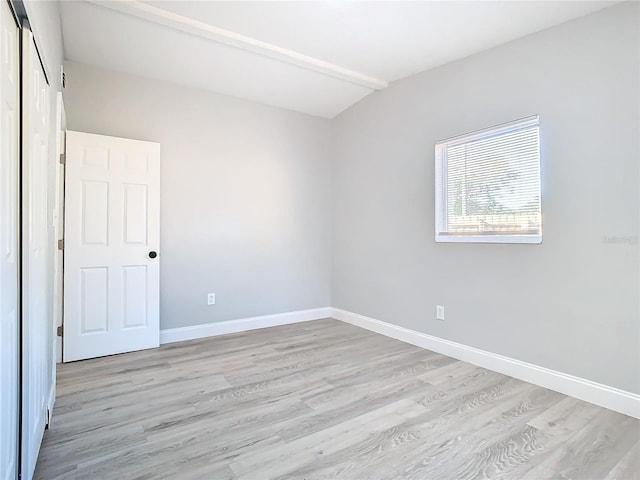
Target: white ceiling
<point x="315" y="57"/>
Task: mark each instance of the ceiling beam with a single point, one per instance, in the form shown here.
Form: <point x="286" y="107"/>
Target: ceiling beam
<point x="226" y="37"/>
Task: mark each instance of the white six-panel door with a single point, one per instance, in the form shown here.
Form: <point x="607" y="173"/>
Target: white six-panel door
<point x="36" y="311"/>
<point x="9" y="200"/>
<point x="112" y="224"/>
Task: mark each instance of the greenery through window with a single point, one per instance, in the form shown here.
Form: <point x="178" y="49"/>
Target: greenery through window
<point x="488" y="185"/>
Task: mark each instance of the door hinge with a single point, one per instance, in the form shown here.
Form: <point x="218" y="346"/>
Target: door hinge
<point x="60" y="330"/>
<point x="63" y="158"/>
<point x="61" y="244"/>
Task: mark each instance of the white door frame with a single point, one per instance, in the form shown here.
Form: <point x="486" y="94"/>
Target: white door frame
<point x="58" y="228"/>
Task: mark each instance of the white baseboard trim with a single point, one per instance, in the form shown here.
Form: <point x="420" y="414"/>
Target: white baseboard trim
<point x="599" y="394"/>
<point x="193" y="332"/>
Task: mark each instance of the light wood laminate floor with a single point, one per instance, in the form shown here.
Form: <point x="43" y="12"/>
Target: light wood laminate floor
<point x="321" y="400"/>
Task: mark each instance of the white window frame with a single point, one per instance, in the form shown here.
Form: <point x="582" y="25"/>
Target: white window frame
<point x="441" y="186"/>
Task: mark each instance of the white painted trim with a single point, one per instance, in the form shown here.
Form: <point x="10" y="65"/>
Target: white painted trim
<point x="58" y="229"/>
<point x="241" y="325"/>
<point x="50" y="403"/>
<point x="226" y="37"/>
<point x="597" y="393"/>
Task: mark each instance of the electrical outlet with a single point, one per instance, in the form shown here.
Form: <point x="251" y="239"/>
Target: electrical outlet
<point x="439" y="312"/>
<point x="211" y="299"/>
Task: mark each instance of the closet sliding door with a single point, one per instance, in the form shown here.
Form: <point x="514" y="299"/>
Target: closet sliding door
<point x="36" y="318"/>
<point x="9" y="248"/>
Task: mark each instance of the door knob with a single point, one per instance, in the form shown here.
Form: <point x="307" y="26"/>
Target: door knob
<point x="153" y="254"/>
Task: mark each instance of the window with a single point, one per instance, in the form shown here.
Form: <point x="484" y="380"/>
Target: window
<point x="488" y="185"/>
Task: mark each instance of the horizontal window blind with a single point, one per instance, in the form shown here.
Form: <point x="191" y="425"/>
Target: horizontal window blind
<point x="489" y="185"/>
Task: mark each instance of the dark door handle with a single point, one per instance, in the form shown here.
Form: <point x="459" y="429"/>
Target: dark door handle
<point x="153" y="254"/>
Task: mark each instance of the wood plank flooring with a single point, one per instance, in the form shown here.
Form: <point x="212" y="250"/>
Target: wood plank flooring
<point x="321" y="400"/>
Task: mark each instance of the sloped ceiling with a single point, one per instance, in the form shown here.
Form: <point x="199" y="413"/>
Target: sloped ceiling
<point x="317" y="57"/>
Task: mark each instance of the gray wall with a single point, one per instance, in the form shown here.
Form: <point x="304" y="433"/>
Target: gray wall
<point x="570" y="304"/>
<point x="245" y="194"/>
